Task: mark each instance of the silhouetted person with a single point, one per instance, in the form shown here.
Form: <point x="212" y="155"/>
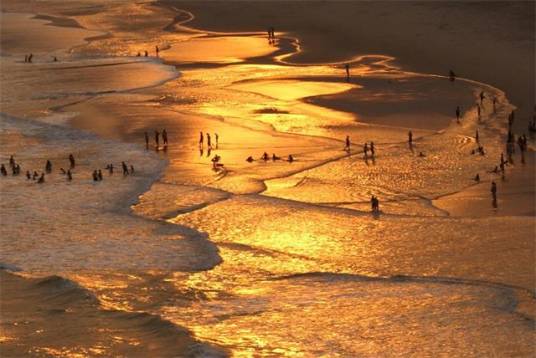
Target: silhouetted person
<point x="35" y="175"/>
<point x="410" y="138"/>
<point x="110" y="168"/>
<point x="41" y="179"/>
<point x="125" y="168"/>
<point x="30" y="61"/>
<point x="164" y="136"/>
<point x="458" y="113"/>
<point x="55" y="59"/>
<point x="217" y="139"/>
<point x="494" y="191"/>
<point x="131" y="169"/>
<point x="201" y="138"/>
<point x="347" y="147"/>
<point x="265" y="156"/>
<point x="99" y="175"/>
<point x="209" y="144"/>
<point x="347" y="67"/>
<point x="3" y="170"/>
<point x="28" y="175"/>
<point x="48" y="167"/>
<point x="290" y="158"/>
<point x="477" y="138"/>
<point x="275" y="157"/>
<point x="365" y="149"/>
<point x="71" y="161"/>
<point x="511" y="118"/>
<point x="69" y="175"/>
<point x="250" y="159"/>
<point x="146" y="140"/>
<point x="157" y="138"/>
<point x="95" y="176"/>
<point x="452" y="76"/>
<point x="146" y="53"/>
<point x="372" y="148"/>
<point x="477" y="178"/>
<point x="157" y="50"/>
<point x="375" y="204"/>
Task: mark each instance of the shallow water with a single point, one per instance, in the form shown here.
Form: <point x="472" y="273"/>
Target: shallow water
<point x="268" y="258"/>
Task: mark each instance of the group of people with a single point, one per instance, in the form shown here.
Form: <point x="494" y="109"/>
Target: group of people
<point x="157" y="139"/>
<point x="271" y="35"/>
<point x="29" y="58"/>
<point x="274" y="157"/>
<point x="96" y="175"/>
<point x="146" y="53"/>
<point x="209" y="140"/>
<point x="366" y="147"/>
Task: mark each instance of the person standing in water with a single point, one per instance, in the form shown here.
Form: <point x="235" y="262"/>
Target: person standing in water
<point x="410" y="138"/>
<point x="372" y="148"/>
<point x="494" y="193"/>
<point x="365" y="150"/>
<point x="157" y="50"/>
<point x="164" y="136"/>
<point x="71" y="161"/>
<point x="201" y="139"/>
<point x="125" y="168"/>
<point x="217" y="139"/>
<point x="209" y="144"/>
<point x="458" y="114"/>
<point x="48" y="167"/>
<point x="347" y="67"/>
<point x="452" y="76"/>
<point x="157" y="139"/>
<point x="347" y="147"/>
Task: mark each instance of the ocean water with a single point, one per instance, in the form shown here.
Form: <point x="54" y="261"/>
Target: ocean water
<point x="262" y="258"/>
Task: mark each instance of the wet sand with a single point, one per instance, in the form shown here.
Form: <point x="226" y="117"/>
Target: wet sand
<point x="231" y="254"/>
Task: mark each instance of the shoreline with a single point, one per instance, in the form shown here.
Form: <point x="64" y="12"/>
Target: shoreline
<point x="168" y="242"/>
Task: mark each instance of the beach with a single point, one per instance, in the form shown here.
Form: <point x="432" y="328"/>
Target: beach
<point x="185" y="254"/>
